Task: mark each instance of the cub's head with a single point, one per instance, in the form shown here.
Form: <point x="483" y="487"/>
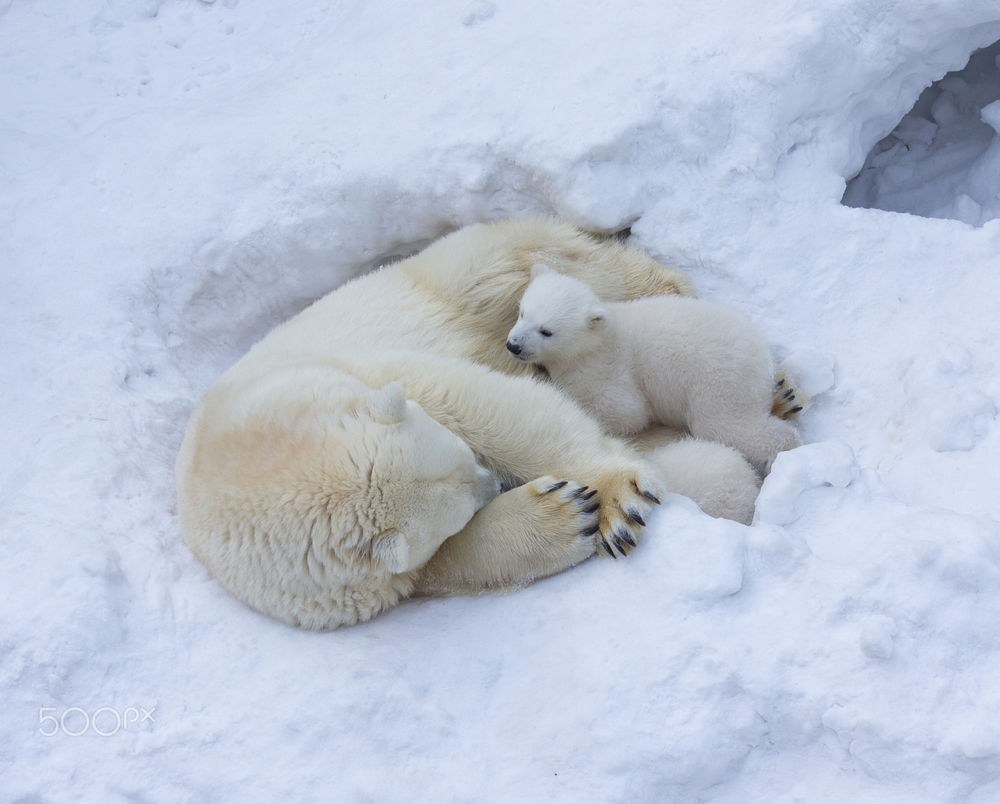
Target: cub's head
<point x="424" y="486"/>
<point x="559" y="317"/>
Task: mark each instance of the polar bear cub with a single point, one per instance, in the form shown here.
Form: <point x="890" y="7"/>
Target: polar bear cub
<point x="671" y="360"/>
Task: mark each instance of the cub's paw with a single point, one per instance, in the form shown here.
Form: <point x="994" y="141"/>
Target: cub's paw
<point x="569" y="510"/>
<point x="787" y="401"/>
<point x="626" y="496"/>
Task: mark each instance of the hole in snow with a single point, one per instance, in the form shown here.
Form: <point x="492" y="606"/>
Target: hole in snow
<point x="943" y="159"/>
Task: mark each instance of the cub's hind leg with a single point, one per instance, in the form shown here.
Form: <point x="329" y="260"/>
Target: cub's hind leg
<point x="788" y="401"/>
<point x="760" y="438"/>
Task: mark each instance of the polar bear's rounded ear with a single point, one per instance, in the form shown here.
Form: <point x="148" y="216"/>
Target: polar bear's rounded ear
<point x="388" y="404"/>
<point x="538" y="269"/>
<point x="597" y="316"/>
<point x="392" y="549"/>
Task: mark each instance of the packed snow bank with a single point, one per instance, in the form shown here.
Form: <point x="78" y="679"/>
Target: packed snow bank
<point x="182" y="176"/>
<point x="943" y="159"/>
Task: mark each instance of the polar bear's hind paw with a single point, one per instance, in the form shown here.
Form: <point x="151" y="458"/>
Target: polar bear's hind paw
<point x="787" y="401"/>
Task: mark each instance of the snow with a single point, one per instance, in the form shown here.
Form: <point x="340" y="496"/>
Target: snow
<point x="180" y="176"/>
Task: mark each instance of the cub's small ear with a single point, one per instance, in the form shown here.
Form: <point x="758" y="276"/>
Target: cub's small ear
<point x="388" y="404"/>
<point x="597" y="316"/>
<point x="392" y="549"/>
<point x="539" y="268"/>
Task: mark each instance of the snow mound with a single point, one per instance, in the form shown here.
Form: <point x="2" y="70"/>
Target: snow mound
<point x="943" y="159"/>
<point x="796" y="474"/>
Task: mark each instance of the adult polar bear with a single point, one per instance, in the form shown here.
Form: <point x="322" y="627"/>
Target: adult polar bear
<point x="319" y="495"/>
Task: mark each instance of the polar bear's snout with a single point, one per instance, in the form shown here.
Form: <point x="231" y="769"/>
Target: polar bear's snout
<point x="520" y="344"/>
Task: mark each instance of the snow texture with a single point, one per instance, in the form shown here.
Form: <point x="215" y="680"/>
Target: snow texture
<point x="180" y="176"/>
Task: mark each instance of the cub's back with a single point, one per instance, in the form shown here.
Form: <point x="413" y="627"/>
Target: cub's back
<point x="686" y="331"/>
<point x="683" y="349"/>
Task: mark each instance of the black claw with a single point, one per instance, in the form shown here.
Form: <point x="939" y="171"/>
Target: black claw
<point x="788" y="394"/>
<point x="591" y="508"/>
<point x="556" y="486"/>
<point x="620" y="545"/>
<point x="606" y="547"/>
<point x="796" y="409"/>
<point x="635" y="517"/>
<point x="624" y="535"/>
<point x="589" y="532"/>
<point x="651" y="497"/>
<point x="578" y="492"/>
<point x="590" y="494"/>
<point x="779" y="383"/>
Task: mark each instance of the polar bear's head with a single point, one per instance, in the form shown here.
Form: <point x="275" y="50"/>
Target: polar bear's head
<point x="307" y="493"/>
<point x="560" y="318"/>
<point x="424" y="483"/>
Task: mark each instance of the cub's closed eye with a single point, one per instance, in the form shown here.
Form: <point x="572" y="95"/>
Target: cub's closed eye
<point x="546" y="333"/>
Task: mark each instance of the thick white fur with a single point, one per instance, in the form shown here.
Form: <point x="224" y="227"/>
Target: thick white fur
<point x="306" y="476"/>
<point x="319" y="495"/>
<point x="715" y="476"/>
<point x="671" y="360"/>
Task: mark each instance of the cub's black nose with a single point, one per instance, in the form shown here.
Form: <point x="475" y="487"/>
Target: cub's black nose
<point x="513" y="348"/>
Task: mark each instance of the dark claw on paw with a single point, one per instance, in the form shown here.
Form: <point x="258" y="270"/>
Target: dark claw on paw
<point x="578" y="492"/>
<point x="651" y="497"/>
<point x="609" y="550"/>
<point x="589" y="532"/>
<point x="590" y="494"/>
<point x="556" y="486"/>
<point x="591" y="508"/>
<point x="635" y="517"/>
<point x="779" y="383"/>
<point x="620" y="545"/>
<point x="625" y="536"/>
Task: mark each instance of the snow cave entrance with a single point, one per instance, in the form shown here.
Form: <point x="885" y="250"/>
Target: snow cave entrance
<point x="943" y="158"/>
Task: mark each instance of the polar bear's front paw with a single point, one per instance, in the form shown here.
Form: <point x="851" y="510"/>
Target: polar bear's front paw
<point x="576" y="509"/>
<point x="626" y="497"/>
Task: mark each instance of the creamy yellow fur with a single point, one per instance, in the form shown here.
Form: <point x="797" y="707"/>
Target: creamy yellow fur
<point x="317" y="495"/>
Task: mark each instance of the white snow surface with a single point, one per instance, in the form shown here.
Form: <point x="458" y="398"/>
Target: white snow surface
<point x="180" y="176"/>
